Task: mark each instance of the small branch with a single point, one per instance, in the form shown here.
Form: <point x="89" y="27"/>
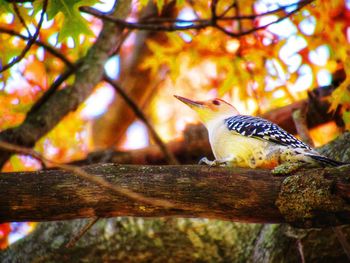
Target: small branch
<point x="213" y="12"/>
<point x="152" y="25"/>
<point x="249" y="31"/>
<point x="253" y="16"/>
<point x="238" y="13"/>
<point x="223" y="14"/>
<point x="191" y="3"/>
<point x="301" y="250"/>
<point x="15" y="7"/>
<point x="30" y="42"/>
<point x="171" y="159"/>
<point x="82" y="231"/>
<point x="19" y="1"/>
<point x="54" y="87"/>
<point x="165" y="24"/>
<point x="47" y="47"/>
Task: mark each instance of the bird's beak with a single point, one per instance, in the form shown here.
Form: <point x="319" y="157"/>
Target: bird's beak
<point x="190" y="103"/>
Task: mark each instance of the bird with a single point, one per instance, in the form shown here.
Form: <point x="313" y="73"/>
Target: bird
<point x="247" y="141"/>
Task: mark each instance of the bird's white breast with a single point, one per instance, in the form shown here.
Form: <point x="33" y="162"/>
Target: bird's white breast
<point x="246" y="150"/>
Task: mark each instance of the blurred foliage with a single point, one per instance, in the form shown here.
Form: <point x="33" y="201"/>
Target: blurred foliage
<point x="260" y="71"/>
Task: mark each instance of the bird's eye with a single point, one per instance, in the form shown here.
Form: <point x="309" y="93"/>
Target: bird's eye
<point x="216" y="102"/>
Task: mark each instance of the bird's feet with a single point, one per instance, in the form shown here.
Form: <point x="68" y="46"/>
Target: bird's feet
<point x="214" y="163"/>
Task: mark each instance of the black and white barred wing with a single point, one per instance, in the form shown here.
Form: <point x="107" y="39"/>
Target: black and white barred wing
<point x="263" y="129"/>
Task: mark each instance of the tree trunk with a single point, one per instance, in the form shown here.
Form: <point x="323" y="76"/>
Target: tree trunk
<point x="138" y="83"/>
<point x="174" y="240"/>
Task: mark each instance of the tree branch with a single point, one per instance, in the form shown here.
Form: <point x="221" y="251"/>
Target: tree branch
<point x="30" y="42"/>
<point x="46" y="46"/>
<point x="243" y="195"/>
<point x="254" y="29"/>
<point x="169" y="156"/>
<point x="53" y="88"/>
<point x="18" y="13"/>
<point x="161" y="24"/>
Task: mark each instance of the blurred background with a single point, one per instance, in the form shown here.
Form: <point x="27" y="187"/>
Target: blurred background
<point x="265" y="55"/>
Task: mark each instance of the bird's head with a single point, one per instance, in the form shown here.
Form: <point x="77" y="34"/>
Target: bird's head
<point x="211" y="109"/>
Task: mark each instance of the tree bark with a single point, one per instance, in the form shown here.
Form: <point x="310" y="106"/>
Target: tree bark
<point x="315" y="197"/>
<point x="182" y="240"/>
<point x="137" y="240"/>
<point x="174" y="240"/>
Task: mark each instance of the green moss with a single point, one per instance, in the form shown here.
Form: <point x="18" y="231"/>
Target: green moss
<point x="302" y="197"/>
<point x="286" y="168"/>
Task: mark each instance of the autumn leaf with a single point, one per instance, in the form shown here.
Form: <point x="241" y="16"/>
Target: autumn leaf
<point x="35" y="73"/>
<point x="5" y="230"/>
<point x="73" y="23"/>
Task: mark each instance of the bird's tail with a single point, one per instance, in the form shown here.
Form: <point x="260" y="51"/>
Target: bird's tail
<point x="325" y="161"/>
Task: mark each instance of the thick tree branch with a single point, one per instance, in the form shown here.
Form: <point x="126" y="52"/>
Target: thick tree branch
<point x="230" y="194"/>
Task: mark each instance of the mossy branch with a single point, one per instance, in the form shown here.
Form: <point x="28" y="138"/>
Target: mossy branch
<point x="242" y="195"/>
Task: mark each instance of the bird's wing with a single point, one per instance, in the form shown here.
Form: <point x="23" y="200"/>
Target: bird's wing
<point x="263" y="129"/>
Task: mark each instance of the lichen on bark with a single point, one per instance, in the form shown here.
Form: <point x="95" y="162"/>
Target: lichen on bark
<point x="138" y="240"/>
<point x="301" y="199"/>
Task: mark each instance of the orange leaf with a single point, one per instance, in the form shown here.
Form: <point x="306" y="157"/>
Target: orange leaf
<point x="35" y="73"/>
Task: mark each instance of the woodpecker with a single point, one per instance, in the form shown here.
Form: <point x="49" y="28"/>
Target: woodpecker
<point x="247" y="141"/>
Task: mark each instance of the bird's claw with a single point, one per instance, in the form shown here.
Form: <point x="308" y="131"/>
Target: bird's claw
<point x="214" y="163"/>
<point x="204" y="160"/>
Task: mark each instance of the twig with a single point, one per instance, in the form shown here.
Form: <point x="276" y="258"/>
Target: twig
<point x="15" y="8"/>
<point x="342" y="240"/>
<point x="158" y="20"/>
<point x="166" y="24"/>
<point x="191" y="3"/>
<point x="249" y="31"/>
<point x="213" y="12"/>
<point x="65" y="75"/>
<point x="30" y="42"/>
<point x="227" y="9"/>
<point x="161" y="24"/>
<point x="39" y="43"/>
<point x="237" y="9"/>
<point x="92" y="178"/>
<point x="171" y="159"/>
<point x="81" y="232"/>
<point x="19" y="1"/>
<point x="301" y="250"/>
<point x="299" y="118"/>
